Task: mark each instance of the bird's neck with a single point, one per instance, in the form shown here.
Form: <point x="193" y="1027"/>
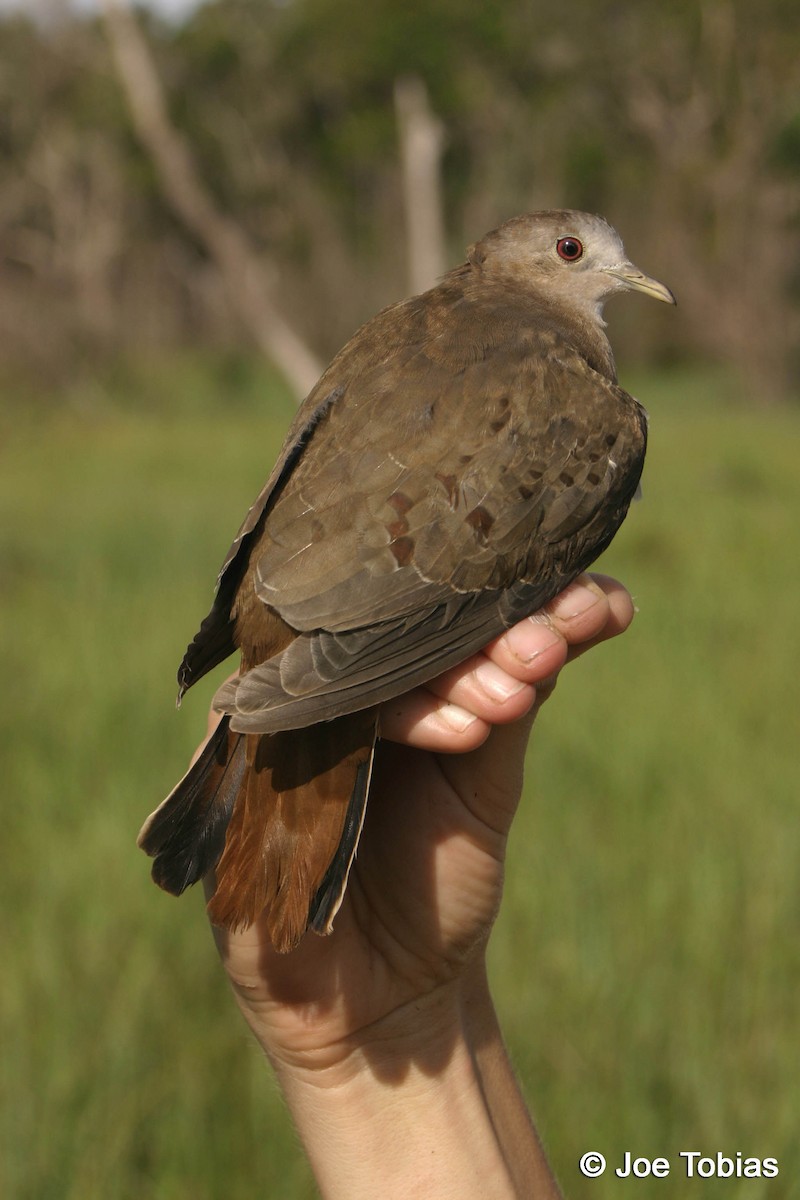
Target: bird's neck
<point x="581" y="325"/>
<point x="576" y="318"/>
<point x="585" y="328"/>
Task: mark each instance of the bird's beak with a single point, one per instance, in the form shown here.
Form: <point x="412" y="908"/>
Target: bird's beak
<point x="630" y="277"/>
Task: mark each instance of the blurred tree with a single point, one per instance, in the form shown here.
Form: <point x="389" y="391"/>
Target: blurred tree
<point x="244" y="275"/>
<point x="705" y="101"/>
<point x="679" y="122"/>
<point x="421" y="144"/>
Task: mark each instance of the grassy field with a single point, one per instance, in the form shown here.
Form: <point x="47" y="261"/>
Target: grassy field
<point x="647" y="959"/>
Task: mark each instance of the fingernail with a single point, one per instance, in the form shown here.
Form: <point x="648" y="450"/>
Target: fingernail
<point x="573" y="602"/>
<point x="529" y="639"/>
<point x="497" y="683"/>
<point x="457" y="718"/>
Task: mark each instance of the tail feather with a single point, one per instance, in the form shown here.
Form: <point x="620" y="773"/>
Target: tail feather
<point x="330" y="893"/>
<point x="186" y="833"/>
<point x="295" y="828"/>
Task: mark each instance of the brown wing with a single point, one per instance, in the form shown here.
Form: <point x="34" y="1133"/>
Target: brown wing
<point x="387" y="333"/>
<point x="450" y="490"/>
<point x="214" y="641"/>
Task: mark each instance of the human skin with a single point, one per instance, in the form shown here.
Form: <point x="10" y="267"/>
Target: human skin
<point x="383" y="1036"/>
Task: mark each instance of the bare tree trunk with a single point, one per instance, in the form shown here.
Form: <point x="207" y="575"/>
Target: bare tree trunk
<point x="421" y="145"/>
<point x="245" y="276"/>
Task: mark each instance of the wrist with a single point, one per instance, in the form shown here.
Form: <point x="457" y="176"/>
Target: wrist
<point x="402" y="1107"/>
<point x="333" y="1055"/>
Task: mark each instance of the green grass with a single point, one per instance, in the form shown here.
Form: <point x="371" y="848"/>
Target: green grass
<point x="647" y="961"/>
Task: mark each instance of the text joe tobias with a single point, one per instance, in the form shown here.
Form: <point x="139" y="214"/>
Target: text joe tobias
<point x="693" y="1164"/>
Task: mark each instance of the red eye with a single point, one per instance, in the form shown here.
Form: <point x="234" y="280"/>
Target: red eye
<point x="569" y="248"/>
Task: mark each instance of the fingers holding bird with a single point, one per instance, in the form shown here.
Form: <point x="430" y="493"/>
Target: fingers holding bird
<point x="455" y="712"/>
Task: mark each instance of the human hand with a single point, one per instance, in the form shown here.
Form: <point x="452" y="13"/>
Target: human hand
<point x="383" y="1035"/>
<point x="426" y="884"/>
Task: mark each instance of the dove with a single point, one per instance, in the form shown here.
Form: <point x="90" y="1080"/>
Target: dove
<point x="464" y="457"/>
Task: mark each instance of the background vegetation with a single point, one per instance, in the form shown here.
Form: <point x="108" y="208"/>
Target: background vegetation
<point x="680" y="122"/>
<point x="646" y="962"/>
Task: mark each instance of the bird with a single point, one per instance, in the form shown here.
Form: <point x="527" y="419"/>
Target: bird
<point x="463" y="458"/>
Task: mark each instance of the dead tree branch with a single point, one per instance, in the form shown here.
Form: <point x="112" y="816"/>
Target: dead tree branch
<point x="244" y="274"/>
<point x="421" y="145"/>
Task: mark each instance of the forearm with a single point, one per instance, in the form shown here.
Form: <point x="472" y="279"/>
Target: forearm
<point x="425" y="1104"/>
<point x="512" y="1121"/>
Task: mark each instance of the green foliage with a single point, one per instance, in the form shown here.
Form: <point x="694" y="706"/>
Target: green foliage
<point x="646" y="963"/>
<point x="786" y="146"/>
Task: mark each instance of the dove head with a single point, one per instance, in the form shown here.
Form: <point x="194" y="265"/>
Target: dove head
<point x="571" y="258"/>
